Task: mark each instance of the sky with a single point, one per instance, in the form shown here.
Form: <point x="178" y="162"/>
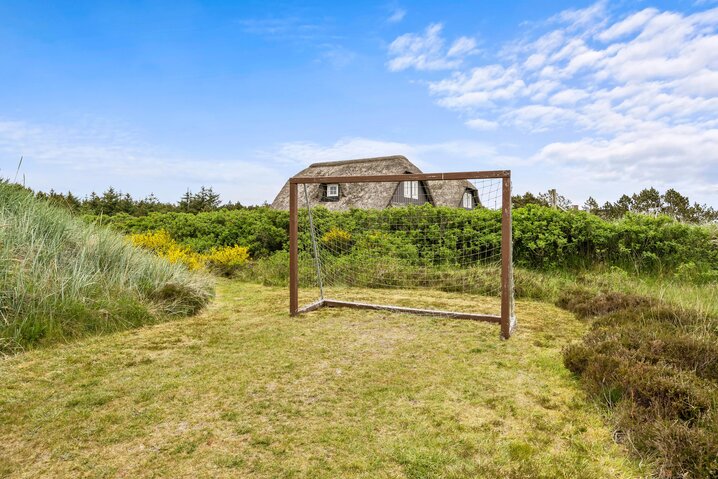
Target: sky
<point x="591" y="98"/>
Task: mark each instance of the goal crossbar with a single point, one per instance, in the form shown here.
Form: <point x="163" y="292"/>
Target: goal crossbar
<point x="506" y="319"/>
<point x="465" y="175"/>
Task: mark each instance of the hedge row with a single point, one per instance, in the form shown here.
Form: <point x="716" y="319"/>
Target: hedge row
<point x="544" y="238"/>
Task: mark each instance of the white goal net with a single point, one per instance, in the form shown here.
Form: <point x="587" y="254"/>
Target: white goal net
<point x="432" y="246"/>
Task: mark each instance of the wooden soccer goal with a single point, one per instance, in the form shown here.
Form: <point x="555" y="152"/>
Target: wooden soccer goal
<point x="448" y="232"/>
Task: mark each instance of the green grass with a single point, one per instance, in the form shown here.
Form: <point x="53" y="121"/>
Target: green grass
<point x="61" y="278"/>
<point x="549" y="286"/>
<point x="242" y="390"/>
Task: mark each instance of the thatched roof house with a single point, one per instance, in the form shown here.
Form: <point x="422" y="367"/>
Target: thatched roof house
<point x="456" y="193"/>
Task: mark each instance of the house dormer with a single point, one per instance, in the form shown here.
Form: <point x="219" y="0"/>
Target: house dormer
<point x="470" y="199"/>
<point x="330" y="191"/>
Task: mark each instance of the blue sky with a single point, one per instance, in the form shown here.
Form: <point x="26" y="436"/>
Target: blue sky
<point x="590" y="98"/>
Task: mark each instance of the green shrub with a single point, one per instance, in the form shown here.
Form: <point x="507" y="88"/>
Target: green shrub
<point x="226" y="261"/>
<point x="586" y="303"/>
<point x="576" y="358"/>
<point x="544" y="238"/>
<point x="682" y="450"/>
<point x="665" y="392"/>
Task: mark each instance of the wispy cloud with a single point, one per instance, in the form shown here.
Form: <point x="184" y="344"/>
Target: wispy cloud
<point x="337" y="55"/>
<point x="90" y="158"/>
<point x="321" y="37"/>
<point x="428" y="51"/>
<point x="397" y="15"/>
<point x="282" y="28"/>
<point x="482" y="124"/>
<point x="428" y="156"/>
<point x="634" y="95"/>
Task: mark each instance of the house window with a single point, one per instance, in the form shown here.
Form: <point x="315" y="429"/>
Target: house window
<point x="411" y="190"/>
<point x="329" y="192"/>
<point x="468" y="200"/>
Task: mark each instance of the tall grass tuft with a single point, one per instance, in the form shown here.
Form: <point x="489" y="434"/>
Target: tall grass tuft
<point x="61" y="278"/>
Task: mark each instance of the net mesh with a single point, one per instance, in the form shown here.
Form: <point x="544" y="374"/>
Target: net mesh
<point x="387" y="242"/>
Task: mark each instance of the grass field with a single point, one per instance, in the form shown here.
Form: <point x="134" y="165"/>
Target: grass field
<point x="244" y="391"/>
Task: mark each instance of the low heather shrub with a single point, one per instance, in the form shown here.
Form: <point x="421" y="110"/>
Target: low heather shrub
<point x="655" y="367"/>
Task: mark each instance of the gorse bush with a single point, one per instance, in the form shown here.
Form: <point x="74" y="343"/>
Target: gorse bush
<point x="160" y="243"/>
<point x="543" y="238"/>
<point x="224" y="260"/>
<point x="61" y="278"/>
<point x="227" y="260"/>
<point x="336" y="239"/>
<point x="262" y="230"/>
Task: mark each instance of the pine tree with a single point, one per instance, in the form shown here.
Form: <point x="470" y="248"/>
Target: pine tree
<point x="591" y="205"/>
<point x="554" y="200"/>
<point x="206" y="200"/>
<point x="110" y="201"/>
<point x="73" y="202"/>
<point x="647" y="201"/>
<point x="528" y="198"/>
<point x="186" y="201"/>
<point x="677" y="205"/>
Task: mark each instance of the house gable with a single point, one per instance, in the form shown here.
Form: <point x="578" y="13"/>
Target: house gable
<point x="400" y="196"/>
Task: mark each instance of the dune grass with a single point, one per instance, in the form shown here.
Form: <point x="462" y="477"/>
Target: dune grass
<point x="61" y="278"/>
<point x="242" y="390"/>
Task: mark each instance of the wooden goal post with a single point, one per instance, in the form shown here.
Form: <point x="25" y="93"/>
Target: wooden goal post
<point x="506" y="318"/>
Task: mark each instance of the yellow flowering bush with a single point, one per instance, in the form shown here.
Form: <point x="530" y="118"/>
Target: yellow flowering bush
<point x="181" y="254"/>
<point x="337" y="240"/>
<point x="157" y="241"/>
<point x="225" y="260"/>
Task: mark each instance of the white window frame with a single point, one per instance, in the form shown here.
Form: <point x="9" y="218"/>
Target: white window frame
<point x="468" y="200"/>
<point x="411" y="190"/>
<point x="335" y="192"/>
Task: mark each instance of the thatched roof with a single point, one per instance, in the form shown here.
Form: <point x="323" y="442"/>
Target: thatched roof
<point x="369" y="195"/>
<point x="451" y="192"/>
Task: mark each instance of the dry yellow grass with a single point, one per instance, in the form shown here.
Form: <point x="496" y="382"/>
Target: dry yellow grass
<point x="244" y="391"/>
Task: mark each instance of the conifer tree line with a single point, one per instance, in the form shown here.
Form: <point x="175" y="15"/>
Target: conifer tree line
<point x="113" y="202"/>
<point x="648" y="201"/>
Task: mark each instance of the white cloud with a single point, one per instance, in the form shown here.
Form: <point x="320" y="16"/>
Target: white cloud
<point x="96" y="156"/>
<point x="630" y="25"/>
<point x="337" y="55"/>
<point x="538" y="118"/>
<point x="482" y="124"/>
<point x="428" y="156"/>
<point x="427" y="51"/>
<point x="482" y="86"/>
<point x="462" y="46"/>
<point x="628" y="96"/>
<point x="568" y="97"/>
<point x="397" y="15"/>
<point x="586" y="18"/>
<point x="535" y="61"/>
<point x="663" y="155"/>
